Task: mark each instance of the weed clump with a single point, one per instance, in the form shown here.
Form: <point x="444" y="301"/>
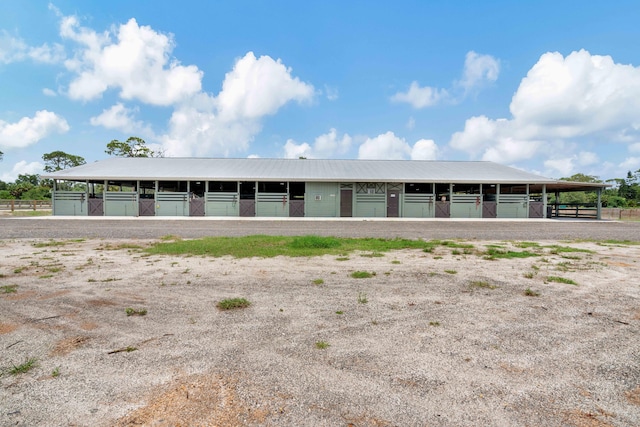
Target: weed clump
<point x="314" y="242"/>
<point x="232" y="303"/>
<point x="23" y="368"/>
<point x="362" y="275"/>
<point x="135" y="312"/>
<point x="531" y="293"/>
<point x="564" y="280"/>
<point x="8" y="289"/>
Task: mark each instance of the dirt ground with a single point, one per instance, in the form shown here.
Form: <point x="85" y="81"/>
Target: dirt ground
<point x="432" y="339"/>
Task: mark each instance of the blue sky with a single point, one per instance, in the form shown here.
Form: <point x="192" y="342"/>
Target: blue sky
<point x="548" y="87"/>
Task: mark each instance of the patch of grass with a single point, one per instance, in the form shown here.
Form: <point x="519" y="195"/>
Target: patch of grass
<point x="362" y="274"/>
<point x="529" y="275"/>
<point x="135" y="312"/>
<point x="451" y="244"/>
<point x="437" y="257"/>
<point x="339" y="312"/>
<point x="50" y="243"/>
<point x="8" y="289"/>
<point x="56" y="372"/>
<point x="362" y="298"/>
<point x="54" y="269"/>
<point x="372" y="255"/>
<point x="318" y="281"/>
<point x="129" y="349"/>
<point x="456" y="252"/>
<point x="493" y="253"/>
<point x="524" y="245"/>
<point x="233" y="303"/>
<point x="31" y="213"/>
<point x="342" y="258"/>
<point x="315" y="242"/>
<point x="556" y="249"/>
<point x="395" y="261"/>
<point x="482" y="284"/>
<point x="531" y="293"/>
<point x="619" y="242"/>
<point x="23" y="368"/>
<point x="434" y="323"/>
<point x="322" y="345"/>
<point x="451" y="271"/>
<point x="45" y="276"/>
<point x="18" y="270"/>
<point x="558" y="279"/>
<point x="270" y="246"/>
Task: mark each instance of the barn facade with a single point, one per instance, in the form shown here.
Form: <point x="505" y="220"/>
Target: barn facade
<point x="303" y="188"/>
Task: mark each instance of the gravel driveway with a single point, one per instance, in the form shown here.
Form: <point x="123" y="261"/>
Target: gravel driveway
<point x="152" y="228"/>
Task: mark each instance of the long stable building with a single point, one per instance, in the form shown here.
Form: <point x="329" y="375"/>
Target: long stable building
<point x="304" y="188"/>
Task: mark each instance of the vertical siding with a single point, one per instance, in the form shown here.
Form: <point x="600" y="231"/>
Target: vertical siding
<point x="222" y="204"/>
<point x="120" y="203"/>
<point x="69" y="203"/>
<point x="321" y="199"/>
<point x="272" y="204"/>
<point x="466" y="206"/>
<point x="371" y="205"/>
<point x="418" y="206"/>
<point x="172" y="204"/>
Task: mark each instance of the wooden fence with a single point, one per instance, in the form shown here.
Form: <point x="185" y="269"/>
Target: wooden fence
<point x="621" y="214"/>
<point x="14" y="205"/>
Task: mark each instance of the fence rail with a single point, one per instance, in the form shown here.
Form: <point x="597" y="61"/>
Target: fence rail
<point x="13" y="205"/>
<point x="621" y="214"/>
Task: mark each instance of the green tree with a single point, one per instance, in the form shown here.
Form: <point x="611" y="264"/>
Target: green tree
<point x="1" y="154"/>
<point x="579" y="196"/>
<point x="28" y="180"/>
<point x="132" y="147"/>
<point x="59" y="160"/>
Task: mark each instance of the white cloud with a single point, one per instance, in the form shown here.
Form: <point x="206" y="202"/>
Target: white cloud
<point x="328" y="145"/>
<point x="420" y="97"/>
<point x="587" y="158"/>
<point x="226" y="124"/>
<point x="630" y="164"/>
<point x="29" y="130"/>
<point x="331" y="92"/>
<point x="411" y="123"/>
<point x="22" y="168"/>
<point x="635" y="148"/>
<point x="258" y="87"/>
<point x="386" y="146"/>
<point x="560" y="100"/>
<point x="295" y="151"/>
<point x="564" y="167"/>
<point x="137" y="63"/>
<point x="424" y="149"/>
<point x="49" y="92"/>
<point x="122" y="118"/>
<point x="14" y="49"/>
<point x="478" y="71"/>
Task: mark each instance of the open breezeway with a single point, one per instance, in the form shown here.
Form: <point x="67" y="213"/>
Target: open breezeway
<point x="120" y="228"/>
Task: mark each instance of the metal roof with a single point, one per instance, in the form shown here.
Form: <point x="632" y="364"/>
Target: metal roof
<point x="258" y="169"/>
